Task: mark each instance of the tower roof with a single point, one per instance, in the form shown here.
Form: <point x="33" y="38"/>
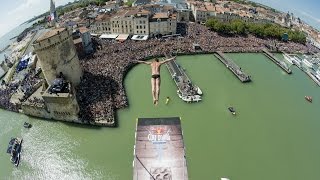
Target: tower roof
<point x="50" y="33"/>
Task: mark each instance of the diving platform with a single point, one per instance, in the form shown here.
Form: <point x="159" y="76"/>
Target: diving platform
<point x="159" y="151"/>
<point x="187" y="91"/>
<point x="235" y="69"/>
<point x="281" y="64"/>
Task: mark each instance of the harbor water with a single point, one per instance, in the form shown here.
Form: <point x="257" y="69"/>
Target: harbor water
<point x="273" y="136"/>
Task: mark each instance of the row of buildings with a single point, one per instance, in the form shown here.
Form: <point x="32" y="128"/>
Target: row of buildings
<point x="145" y="20"/>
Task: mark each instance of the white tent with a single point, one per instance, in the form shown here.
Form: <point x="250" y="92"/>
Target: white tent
<point x="108" y="36"/>
<point x="122" y="37"/>
<point x="139" y="37"/>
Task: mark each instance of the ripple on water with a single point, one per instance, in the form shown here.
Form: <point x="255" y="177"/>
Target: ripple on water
<point x="48" y="154"/>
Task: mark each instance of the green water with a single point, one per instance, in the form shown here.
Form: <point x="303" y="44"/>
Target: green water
<point x="274" y="135"/>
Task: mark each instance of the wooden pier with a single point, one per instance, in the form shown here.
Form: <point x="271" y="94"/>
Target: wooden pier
<point x="187" y="91"/>
<point x="235" y="69"/>
<point x="276" y="61"/>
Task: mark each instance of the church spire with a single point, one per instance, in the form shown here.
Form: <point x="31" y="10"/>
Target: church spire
<point x="53" y="13"/>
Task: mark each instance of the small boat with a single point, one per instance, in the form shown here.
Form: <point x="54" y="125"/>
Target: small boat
<point x="198" y="90"/>
<point x="14" y="149"/>
<point x="308" y="98"/>
<point x="27" y="125"/>
<point x="225" y="179"/>
<point x="232" y="110"/>
<point x="288" y="58"/>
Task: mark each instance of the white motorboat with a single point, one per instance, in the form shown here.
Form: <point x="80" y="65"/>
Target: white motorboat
<point x="195" y="98"/>
<point x="225" y="179"/>
<point x="307" y="63"/>
<point x="288" y="58"/>
<point x="198" y="90"/>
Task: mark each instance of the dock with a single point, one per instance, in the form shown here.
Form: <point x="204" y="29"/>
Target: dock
<point x="159" y="151"/>
<point x="187" y="91"/>
<point x="234" y="68"/>
<point x="276" y="61"/>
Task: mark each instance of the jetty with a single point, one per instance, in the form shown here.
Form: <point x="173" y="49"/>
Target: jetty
<point x="159" y="151"/>
<point x="187" y="91"/>
<point x="276" y="61"/>
<point x="234" y="68"/>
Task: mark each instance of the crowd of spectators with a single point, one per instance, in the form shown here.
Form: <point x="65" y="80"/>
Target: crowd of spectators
<point x="102" y="91"/>
<point x="26" y="86"/>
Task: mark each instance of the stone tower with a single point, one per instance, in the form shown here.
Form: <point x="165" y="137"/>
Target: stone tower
<point x="57" y="53"/>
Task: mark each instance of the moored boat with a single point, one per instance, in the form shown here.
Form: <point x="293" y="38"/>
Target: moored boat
<point x="232" y="110"/>
<point x="307" y="63"/>
<point x="198" y="90"/>
<point x="288" y="58"/>
<point x="14" y="149"/>
<point x="308" y="98"/>
<point x="27" y="125"/>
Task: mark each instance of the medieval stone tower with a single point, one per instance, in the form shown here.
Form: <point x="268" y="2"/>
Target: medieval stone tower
<point x="57" y="53"/>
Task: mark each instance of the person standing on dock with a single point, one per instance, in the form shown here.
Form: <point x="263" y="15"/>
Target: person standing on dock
<point x="155" y="76"/>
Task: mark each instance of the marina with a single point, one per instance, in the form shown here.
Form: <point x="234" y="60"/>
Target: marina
<point x="187" y="91"/>
<point x="281" y="64"/>
<point x="235" y="69"/>
<point x="305" y="66"/>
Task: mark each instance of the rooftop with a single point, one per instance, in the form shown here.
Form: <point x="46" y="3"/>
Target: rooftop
<point x="49" y="34"/>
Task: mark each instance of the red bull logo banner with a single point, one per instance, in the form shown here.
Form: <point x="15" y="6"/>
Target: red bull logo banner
<point x="159" y="135"/>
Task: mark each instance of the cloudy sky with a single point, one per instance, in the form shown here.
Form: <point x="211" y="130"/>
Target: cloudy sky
<point x="307" y="10"/>
<point x="15" y="12"/>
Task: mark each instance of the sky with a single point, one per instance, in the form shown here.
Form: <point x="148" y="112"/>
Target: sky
<point x="15" y="12"/>
<point x="307" y="10"/>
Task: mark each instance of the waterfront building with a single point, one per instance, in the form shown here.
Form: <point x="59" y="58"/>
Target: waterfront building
<point x="149" y="20"/>
<point x="141" y="2"/>
<point x="102" y="24"/>
<point x="82" y="40"/>
<point x="163" y="23"/>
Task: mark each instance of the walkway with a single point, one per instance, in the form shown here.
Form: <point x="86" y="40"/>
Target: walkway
<point x="235" y="69"/>
<point x="275" y="60"/>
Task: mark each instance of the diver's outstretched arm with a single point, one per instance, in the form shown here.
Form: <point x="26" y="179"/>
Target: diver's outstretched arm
<point x="167" y="60"/>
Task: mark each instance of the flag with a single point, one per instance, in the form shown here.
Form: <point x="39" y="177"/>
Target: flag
<point x="52" y="16"/>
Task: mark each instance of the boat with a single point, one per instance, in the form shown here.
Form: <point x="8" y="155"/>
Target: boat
<point x="195" y="98"/>
<point x="288" y="58"/>
<point x="232" y="110"/>
<point x="308" y="98"/>
<point x="27" y="125"/>
<point x="198" y="90"/>
<point x="14" y="149"/>
<point x="225" y="179"/>
<point x="307" y="63"/>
